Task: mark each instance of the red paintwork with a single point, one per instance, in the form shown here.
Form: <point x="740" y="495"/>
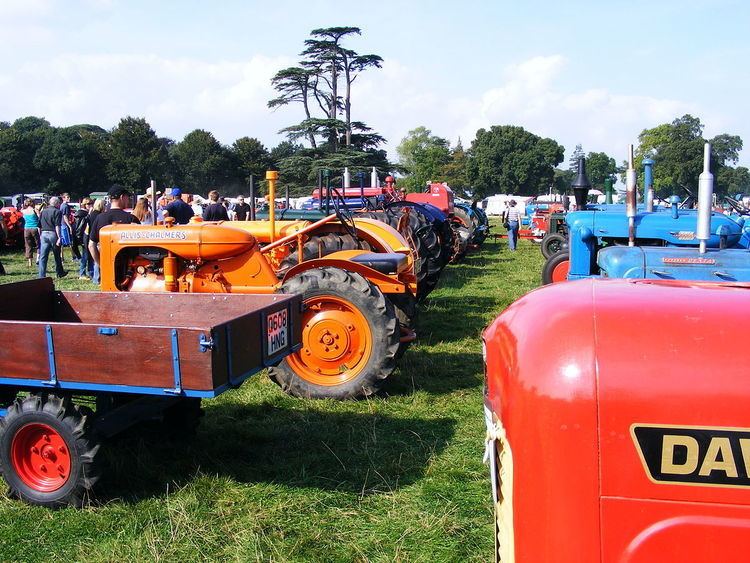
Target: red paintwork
<point x="570" y="367"/>
<point x="560" y="273"/>
<point x="40" y="457"/>
<point x="439" y="195"/>
<point x="13" y="219"/>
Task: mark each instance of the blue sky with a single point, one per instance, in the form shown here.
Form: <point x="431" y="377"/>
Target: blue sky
<point x="595" y="73"/>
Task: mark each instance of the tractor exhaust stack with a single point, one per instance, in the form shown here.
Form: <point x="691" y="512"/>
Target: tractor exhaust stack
<point x="581" y="185"/>
<point x="705" y="199"/>
<point x="648" y="183"/>
<point x="630" y="197"/>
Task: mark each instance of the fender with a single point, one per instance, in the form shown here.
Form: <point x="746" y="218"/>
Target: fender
<point x="386" y="283"/>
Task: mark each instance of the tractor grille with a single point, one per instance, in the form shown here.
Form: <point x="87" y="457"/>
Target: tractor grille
<point x="500" y="458"/>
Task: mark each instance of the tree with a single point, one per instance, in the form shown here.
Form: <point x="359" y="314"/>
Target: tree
<point x="251" y="158"/>
<point x="573" y="160"/>
<point x="423" y="157"/>
<point x="455" y="171"/>
<point x="135" y="155"/>
<point x="203" y="163"/>
<point x="733" y="181"/>
<point x="19" y="144"/>
<point x="599" y="167"/>
<point x="325" y="65"/>
<point x="72" y="160"/>
<point x="677" y="151"/>
<point x="509" y="159"/>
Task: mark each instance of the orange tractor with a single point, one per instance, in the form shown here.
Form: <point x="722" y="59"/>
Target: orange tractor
<point x="356" y="276"/>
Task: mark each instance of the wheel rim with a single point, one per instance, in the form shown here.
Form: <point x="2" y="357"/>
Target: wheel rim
<point x="554" y="247"/>
<point x="336" y="342"/>
<point x="560" y="271"/>
<point x="40" y="457"/>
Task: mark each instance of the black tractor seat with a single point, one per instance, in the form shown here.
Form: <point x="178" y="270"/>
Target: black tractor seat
<point x="385" y="263"/>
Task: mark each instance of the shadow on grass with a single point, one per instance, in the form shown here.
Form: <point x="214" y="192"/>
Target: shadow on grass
<point x="356" y="453"/>
<point x="438" y="373"/>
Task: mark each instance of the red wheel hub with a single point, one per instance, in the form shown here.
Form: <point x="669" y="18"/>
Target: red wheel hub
<point x="40" y="457"/>
<point x="560" y="272"/>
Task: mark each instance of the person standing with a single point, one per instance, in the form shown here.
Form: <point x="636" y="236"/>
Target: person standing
<point x="30" y="230"/>
<point x="50" y="222"/>
<point x="81" y="236"/>
<point x="98" y="207"/>
<point x="241" y="210"/>
<point x="178" y="209"/>
<point x="66" y="229"/>
<point x="119" y="200"/>
<point x="142" y="212"/>
<point x="215" y="211"/>
<point x="513" y="218"/>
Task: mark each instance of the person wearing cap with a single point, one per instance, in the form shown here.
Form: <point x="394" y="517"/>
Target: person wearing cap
<point x="119" y="199"/>
<point x="181" y="211"/>
<point x="241" y="210"/>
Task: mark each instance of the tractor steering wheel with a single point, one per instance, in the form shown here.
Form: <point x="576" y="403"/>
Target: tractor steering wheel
<point x="344" y="214"/>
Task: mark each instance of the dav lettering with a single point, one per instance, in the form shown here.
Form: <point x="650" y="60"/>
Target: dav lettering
<point x="695" y="456"/>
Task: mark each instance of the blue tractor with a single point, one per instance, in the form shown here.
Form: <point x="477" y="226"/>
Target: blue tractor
<point x="590" y="232"/>
<point x="727" y="262"/>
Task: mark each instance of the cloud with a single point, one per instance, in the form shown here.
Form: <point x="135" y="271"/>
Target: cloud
<point x="176" y="96"/>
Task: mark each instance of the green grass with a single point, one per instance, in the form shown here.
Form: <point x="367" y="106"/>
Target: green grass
<point x="273" y="478"/>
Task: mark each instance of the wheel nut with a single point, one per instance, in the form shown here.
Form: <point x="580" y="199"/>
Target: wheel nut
<point x="43" y="468"/>
<point x="34" y="450"/>
<point x="61" y="449"/>
<point x="46" y="438"/>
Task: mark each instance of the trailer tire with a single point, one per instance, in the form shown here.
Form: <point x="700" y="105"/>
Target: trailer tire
<point x="556" y="268"/>
<point x="346" y="310"/>
<point x="553" y="243"/>
<point x="47" y="452"/>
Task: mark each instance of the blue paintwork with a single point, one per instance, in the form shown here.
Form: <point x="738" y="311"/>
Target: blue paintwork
<point x="589" y="231"/>
<point x="727" y="265"/>
<point x="51" y="355"/>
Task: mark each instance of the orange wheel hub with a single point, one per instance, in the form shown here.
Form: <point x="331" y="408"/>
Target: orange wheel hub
<point x="336" y="342"/>
<point x="560" y="272"/>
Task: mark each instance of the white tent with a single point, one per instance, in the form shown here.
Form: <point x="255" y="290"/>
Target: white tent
<point x="495" y="204"/>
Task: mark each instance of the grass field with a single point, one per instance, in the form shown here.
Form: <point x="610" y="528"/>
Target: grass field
<point x="273" y="478"/>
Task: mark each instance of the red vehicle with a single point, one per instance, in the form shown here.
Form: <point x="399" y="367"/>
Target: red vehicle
<point x="13" y="220"/>
<point x="624" y="441"/>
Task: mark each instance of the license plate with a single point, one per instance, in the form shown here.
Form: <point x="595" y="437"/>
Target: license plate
<point x="278" y="331"/>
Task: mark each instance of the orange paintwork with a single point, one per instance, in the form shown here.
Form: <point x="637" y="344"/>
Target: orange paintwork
<point x="570" y="369"/>
<point x="334" y="334"/>
<point x="261" y="230"/>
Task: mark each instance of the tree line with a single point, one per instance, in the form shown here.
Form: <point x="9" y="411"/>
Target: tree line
<point x="35" y="156"/>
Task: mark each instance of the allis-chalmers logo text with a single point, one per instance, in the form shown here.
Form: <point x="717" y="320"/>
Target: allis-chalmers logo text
<point x="693" y="455"/>
<point x="153" y="235"/>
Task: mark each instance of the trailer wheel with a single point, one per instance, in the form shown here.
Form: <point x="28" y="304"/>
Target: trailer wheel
<point x="556" y="268"/>
<point x="182" y="419"/>
<point x="553" y="243"/>
<point x="350" y="337"/>
<point x="47" y="453"/>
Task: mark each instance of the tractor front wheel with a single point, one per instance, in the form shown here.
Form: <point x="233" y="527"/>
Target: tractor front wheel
<point x="552" y="243"/>
<point x="556" y="268"/>
<point x="350" y="337"/>
<point x="47" y="454"/>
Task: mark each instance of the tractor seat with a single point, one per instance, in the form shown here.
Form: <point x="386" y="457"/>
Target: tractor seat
<point x="385" y="263"/>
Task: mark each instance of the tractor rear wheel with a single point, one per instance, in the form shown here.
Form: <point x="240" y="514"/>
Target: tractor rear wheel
<point x="350" y="337"/>
<point x="553" y="243"/>
<point x="318" y="246"/>
<point x="556" y="268"/>
<point x="47" y="453"/>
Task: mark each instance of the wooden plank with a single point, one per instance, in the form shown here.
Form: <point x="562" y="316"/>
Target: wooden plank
<point x="28" y="300"/>
<point x="26" y="355"/>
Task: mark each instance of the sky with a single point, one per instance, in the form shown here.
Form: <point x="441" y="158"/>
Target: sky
<point x="595" y="73"/>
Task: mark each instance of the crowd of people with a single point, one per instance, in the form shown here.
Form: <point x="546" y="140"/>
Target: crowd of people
<point x="54" y="226"/>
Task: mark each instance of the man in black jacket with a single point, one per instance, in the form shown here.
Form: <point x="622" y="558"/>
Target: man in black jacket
<point x="215" y="211"/>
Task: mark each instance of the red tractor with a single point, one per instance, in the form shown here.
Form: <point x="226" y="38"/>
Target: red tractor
<point x="624" y="441"/>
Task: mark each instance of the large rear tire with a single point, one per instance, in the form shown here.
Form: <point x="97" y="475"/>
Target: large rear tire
<point x="556" y="268"/>
<point x="350" y="337"/>
<point x="47" y="453"/>
<point x="553" y="243"/>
